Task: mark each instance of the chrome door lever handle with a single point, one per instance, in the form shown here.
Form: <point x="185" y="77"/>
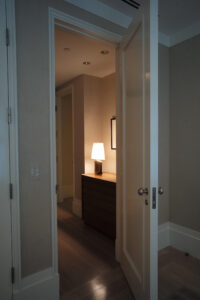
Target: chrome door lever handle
<point x="142" y="191"/>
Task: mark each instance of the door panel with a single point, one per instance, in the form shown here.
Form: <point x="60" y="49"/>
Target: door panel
<point x="133" y="148"/>
<point x="140" y="155"/>
<point x="5" y="213"/>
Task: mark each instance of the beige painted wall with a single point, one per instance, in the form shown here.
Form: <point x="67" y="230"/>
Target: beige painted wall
<point x="92" y="118"/>
<point x="185" y="133"/>
<point x="99" y="108"/>
<point x="94" y="105"/>
<point x="67" y="146"/>
<point x="164" y="135"/>
<point x="179" y="139"/>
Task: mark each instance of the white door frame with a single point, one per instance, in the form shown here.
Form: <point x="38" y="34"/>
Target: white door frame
<point x="93" y="31"/>
<point x="69" y="89"/>
<point x="13" y="130"/>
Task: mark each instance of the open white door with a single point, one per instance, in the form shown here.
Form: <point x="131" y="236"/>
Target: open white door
<point x="139" y="63"/>
<point x="5" y="213"/>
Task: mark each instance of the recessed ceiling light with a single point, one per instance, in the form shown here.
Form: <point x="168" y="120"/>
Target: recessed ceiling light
<point x="104" y="52"/>
<point x="86" y="63"/>
<point x="67" y="49"/>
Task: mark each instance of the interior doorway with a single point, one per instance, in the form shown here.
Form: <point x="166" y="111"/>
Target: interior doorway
<point x="136" y="238"/>
<point x="86" y="201"/>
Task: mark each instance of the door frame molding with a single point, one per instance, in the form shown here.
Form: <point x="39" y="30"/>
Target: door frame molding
<point x="13" y="139"/>
<point x="66" y="90"/>
<point x="67" y="21"/>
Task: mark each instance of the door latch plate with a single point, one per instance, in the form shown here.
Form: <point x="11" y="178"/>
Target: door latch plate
<point x="154" y="198"/>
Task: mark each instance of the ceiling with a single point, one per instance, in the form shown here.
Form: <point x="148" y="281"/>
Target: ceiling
<point x="178" y="21"/>
<point x="176" y="17"/>
<point x="69" y="62"/>
<point x="121" y="6"/>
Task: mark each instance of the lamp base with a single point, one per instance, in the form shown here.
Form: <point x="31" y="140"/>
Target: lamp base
<point x="98" y="167"/>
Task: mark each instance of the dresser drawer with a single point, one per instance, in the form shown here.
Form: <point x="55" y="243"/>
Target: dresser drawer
<point x="99" y="204"/>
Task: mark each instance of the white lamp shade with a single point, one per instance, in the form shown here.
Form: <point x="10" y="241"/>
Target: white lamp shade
<point x="98" y="152"/>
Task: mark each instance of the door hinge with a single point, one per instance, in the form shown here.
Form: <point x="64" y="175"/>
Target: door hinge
<point x="9" y="115"/>
<point x="7" y="37"/>
<point x="11" y="190"/>
<point x="13" y="275"/>
<point x="154" y="198"/>
<point x="57" y="187"/>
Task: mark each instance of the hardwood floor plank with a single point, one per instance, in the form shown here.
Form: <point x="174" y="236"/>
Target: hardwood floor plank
<point x="179" y="276"/>
<point x="89" y="271"/>
<point x="87" y="265"/>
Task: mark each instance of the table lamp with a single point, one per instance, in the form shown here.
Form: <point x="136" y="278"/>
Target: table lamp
<point x="98" y="154"/>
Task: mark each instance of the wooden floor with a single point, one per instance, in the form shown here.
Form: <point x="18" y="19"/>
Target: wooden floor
<point x="89" y="271"/>
<point x="179" y="276"/>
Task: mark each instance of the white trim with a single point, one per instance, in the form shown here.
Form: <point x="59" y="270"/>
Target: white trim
<point x="180" y="36"/>
<point x="185" y="34"/>
<point x="40" y="286"/>
<point x="77" y="207"/>
<point x="163" y="235"/>
<point x="179" y="237"/>
<point x="64" y="91"/>
<point x="93" y="29"/>
<point x="164" y="39"/>
<point x="67" y="191"/>
<point x="185" y="239"/>
<point x="68" y="27"/>
<point x="14" y="160"/>
<point x="104" y="11"/>
<point x="153" y="148"/>
<point x="55" y="16"/>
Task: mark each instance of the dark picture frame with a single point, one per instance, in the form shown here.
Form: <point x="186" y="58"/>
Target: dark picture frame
<point x="113" y="123"/>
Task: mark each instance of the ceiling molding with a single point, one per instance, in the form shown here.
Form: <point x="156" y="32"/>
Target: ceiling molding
<point x="164" y="39"/>
<point x="69" y="19"/>
<point x="180" y="36"/>
<point x="104" y="11"/>
<point x="185" y="34"/>
<point x="113" y="15"/>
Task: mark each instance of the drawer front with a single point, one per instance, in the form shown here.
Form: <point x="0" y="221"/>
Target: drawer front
<point x="99" y="205"/>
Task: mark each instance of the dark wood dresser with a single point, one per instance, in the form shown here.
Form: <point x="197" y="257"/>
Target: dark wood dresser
<point x="99" y="202"/>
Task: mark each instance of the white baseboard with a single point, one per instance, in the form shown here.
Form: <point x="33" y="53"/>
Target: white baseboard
<point x="163" y="235"/>
<point x="179" y="237"/>
<point x="77" y="207"/>
<point x="67" y="191"/>
<point x="40" y="286"/>
<point x="185" y="239"/>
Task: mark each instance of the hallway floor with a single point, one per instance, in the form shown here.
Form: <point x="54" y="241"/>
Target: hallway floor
<point x="89" y="271"/>
<point x="87" y="265"/>
<point x="179" y="276"/>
